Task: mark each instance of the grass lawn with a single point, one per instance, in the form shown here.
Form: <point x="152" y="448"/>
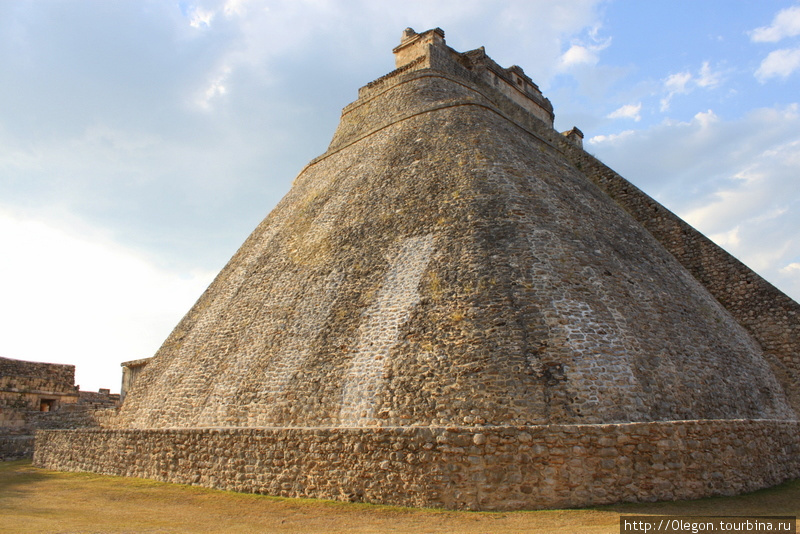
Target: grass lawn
<point x="35" y="500"/>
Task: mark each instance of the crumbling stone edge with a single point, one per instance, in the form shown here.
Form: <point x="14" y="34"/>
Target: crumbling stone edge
<point x="475" y="468"/>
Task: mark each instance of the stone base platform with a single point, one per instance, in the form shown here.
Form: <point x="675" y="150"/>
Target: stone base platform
<point x="475" y="468"/>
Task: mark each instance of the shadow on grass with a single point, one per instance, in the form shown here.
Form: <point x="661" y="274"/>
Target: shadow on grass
<point x="36" y="500"/>
<point x="783" y="499"/>
<point x="18" y="473"/>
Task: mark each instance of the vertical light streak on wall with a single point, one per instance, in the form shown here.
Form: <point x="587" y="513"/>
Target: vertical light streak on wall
<point x="380" y="329"/>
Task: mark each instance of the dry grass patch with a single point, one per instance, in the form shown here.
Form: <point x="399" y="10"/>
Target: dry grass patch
<point x="36" y="500"/>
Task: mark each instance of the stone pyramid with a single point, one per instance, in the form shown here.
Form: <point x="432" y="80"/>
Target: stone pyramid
<point x="453" y="266"/>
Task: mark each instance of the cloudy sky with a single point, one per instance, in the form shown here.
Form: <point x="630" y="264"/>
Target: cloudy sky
<point x="141" y="141"/>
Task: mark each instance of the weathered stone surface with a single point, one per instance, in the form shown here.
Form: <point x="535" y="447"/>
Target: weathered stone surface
<point x="423" y="272"/>
<point x="36" y="395"/>
<point x="298" y="462"/>
<point x="456" y="306"/>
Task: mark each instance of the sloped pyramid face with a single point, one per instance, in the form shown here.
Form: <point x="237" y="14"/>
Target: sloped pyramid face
<point x="444" y="263"/>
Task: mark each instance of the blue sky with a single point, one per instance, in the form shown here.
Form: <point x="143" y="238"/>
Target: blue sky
<point x="141" y="141"/>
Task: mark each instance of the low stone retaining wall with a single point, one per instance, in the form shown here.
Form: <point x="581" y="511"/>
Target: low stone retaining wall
<point x="478" y="468"/>
<point x="14" y="447"/>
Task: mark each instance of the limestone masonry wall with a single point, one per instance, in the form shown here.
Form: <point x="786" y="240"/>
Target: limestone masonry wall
<point x="453" y="260"/>
<point x="770" y="316"/>
<point x="37" y="395"/>
<point x="512" y="291"/>
<point x="429" y="51"/>
<point x="476" y="468"/>
<point x="15" y="447"/>
<point x="20" y="375"/>
<point x="536" y="299"/>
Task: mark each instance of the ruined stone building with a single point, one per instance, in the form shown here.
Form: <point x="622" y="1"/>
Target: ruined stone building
<point x="130" y="372"/>
<point x="37" y="395"/>
<point x="456" y="306"/>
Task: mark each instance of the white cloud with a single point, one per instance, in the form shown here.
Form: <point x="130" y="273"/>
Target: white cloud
<point x="791" y="268"/>
<point x="216" y="88"/>
<point x="736" y="181"/>
<point x="675" y="84"/>
<point x="235" y="7"/>
<point x="611" y="139"/>
<point x="725" y="207"/>
<point x="200" y="18"/>
<point x="730" y="238"/>
<point x="579" y="54"/>
<point x="685" y="82"/>
<point x="583" y="53"/>
<point x="628" y="111"/>
<point x="77" y="297"/>
<point x="785" y="24"/>
<point x="707" y="78"/>
<point x="779" y="63"/>
<point x="705" y="119"/>
<point x="285" y="27"/>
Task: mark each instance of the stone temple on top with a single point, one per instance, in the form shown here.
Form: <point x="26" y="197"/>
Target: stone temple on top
<point x="457" y="306"/>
